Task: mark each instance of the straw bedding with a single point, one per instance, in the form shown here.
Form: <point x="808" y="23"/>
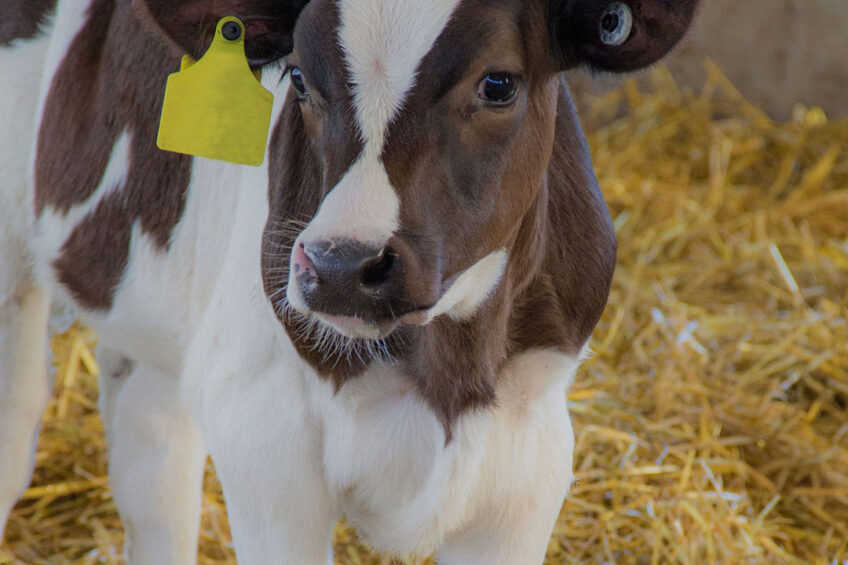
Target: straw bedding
<point x="712" y="423"/>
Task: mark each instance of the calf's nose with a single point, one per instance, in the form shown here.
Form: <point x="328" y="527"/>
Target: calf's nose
<point x="348" y="267"/>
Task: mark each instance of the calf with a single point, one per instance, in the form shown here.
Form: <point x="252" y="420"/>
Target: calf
<point x="381" y="322"/>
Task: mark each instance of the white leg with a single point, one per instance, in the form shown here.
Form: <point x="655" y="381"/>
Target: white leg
<point x="24" y="389"/>
<point x="156" y="461"/>
<point x="268" y="459"/>
<point x="115" y="369"/>
<point x="24" y="386"/>
<point x="506" y="536"/>
<point x="523" y="492"/>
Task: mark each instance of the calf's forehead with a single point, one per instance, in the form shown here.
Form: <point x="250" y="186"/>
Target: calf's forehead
<point x="378" y="46"/>
<point x="376" y="49"/>
<point x="384" y="43"/>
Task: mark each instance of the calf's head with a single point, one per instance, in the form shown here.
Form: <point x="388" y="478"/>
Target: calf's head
<point x="415" y="141"/>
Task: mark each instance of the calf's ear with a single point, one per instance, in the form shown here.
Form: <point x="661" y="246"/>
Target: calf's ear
<point x="190" y="24"/>
<point x="617" y="35"/>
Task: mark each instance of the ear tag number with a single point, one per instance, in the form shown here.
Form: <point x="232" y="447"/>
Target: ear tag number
<point x="216" y="107"/>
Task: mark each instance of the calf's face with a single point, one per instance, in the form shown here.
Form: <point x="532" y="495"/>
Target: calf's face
<point x="417" y="136"/>
<point x="431" y="124"/>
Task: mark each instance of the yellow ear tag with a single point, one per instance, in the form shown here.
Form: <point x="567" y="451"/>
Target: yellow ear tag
<point x="216" y="107"/>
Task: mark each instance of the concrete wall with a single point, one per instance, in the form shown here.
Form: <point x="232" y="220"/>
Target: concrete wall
<point x="777" y="52"/>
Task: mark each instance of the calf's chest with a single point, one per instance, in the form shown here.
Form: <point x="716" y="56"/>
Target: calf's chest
<point x="397" y="479"/>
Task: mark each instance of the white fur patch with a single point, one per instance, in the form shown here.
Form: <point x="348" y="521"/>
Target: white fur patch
<point x="21" y="62"/>
<point x="506" y="470"/>
<point x="384" y="43"/>
<point x="24" y="390"/>
<point x="363" y="207"/>
<point x="471" y="289"/>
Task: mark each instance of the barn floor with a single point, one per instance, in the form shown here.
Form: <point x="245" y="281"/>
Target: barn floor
<point x="712" y="423"/>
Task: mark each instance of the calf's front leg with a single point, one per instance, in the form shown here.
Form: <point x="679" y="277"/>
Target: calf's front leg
<point x="522" y="488"/>
<point x="156" y="461"/>
<point x="268" y="460"/>
<point x="24" y="388"/>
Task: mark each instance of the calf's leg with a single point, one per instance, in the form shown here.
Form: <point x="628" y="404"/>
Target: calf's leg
<point x="24" y="388"/>
<point x="269" y="461"/>
<point x="156" y="461"/>
<point x="528" y="474"/>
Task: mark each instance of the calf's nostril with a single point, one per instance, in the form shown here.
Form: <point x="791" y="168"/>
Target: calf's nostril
<point x="377" y="270"/>
<point x="301" y="262"/>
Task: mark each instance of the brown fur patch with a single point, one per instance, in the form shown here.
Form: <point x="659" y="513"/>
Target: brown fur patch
<point x="95" y="255"/>
<point x="22" y="19"/>
<point x="111" y="81"/>
<point x="565" y="299"/>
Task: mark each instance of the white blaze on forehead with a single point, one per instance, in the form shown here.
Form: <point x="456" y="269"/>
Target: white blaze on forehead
<point x="384" y="43"/>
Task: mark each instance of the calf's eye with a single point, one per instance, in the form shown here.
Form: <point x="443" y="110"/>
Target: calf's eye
<point x="616" y="24"/>
<point x="297" y="81"/>
<point x="498" y="88"/>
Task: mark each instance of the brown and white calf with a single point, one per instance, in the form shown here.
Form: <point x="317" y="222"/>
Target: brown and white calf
<point x="381" y="322"/>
